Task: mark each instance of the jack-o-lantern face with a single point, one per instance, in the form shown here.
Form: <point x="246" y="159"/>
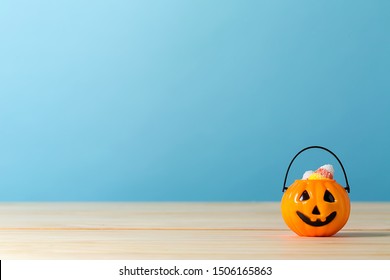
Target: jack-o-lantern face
<point x="315" y="207"/>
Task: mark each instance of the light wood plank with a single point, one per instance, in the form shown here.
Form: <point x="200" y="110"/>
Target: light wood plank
<point x="181" y="231"/>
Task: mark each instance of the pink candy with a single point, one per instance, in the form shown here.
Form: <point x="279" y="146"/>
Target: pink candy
<point x="324" y="173"/>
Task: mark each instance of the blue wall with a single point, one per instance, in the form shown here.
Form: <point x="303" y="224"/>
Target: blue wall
<point x="190" y="100"/>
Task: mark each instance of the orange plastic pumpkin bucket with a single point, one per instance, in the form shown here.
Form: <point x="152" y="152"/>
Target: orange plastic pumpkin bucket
<point x="315" y="207"/>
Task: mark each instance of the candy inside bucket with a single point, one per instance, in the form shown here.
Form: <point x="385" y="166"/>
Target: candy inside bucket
<point x="324" y="172"/>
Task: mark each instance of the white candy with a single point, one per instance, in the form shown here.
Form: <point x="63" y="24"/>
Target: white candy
<point x="307" y="174"/>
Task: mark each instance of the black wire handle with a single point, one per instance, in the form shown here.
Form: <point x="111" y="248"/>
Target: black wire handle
<point x="316" y="147"/>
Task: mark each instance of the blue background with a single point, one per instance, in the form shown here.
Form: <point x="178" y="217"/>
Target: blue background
<point x="190" y="100"/>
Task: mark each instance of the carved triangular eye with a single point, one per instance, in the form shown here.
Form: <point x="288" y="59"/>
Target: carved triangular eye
<point x="328" y="197"/>
<point x="304" y="196"/>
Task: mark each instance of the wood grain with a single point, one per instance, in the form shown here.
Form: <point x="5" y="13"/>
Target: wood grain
<point x="181" y="231"/>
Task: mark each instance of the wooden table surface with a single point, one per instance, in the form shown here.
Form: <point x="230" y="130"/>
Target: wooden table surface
<point x="182" y="231"/>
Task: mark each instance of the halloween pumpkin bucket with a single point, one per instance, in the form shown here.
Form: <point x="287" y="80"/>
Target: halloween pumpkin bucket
<point x="315" y="207"/>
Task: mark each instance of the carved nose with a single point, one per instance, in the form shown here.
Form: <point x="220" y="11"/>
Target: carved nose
<point x="315" y="211"/>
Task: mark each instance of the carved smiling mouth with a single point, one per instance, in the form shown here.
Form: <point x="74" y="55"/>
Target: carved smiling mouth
<point x="318" y="222"/>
